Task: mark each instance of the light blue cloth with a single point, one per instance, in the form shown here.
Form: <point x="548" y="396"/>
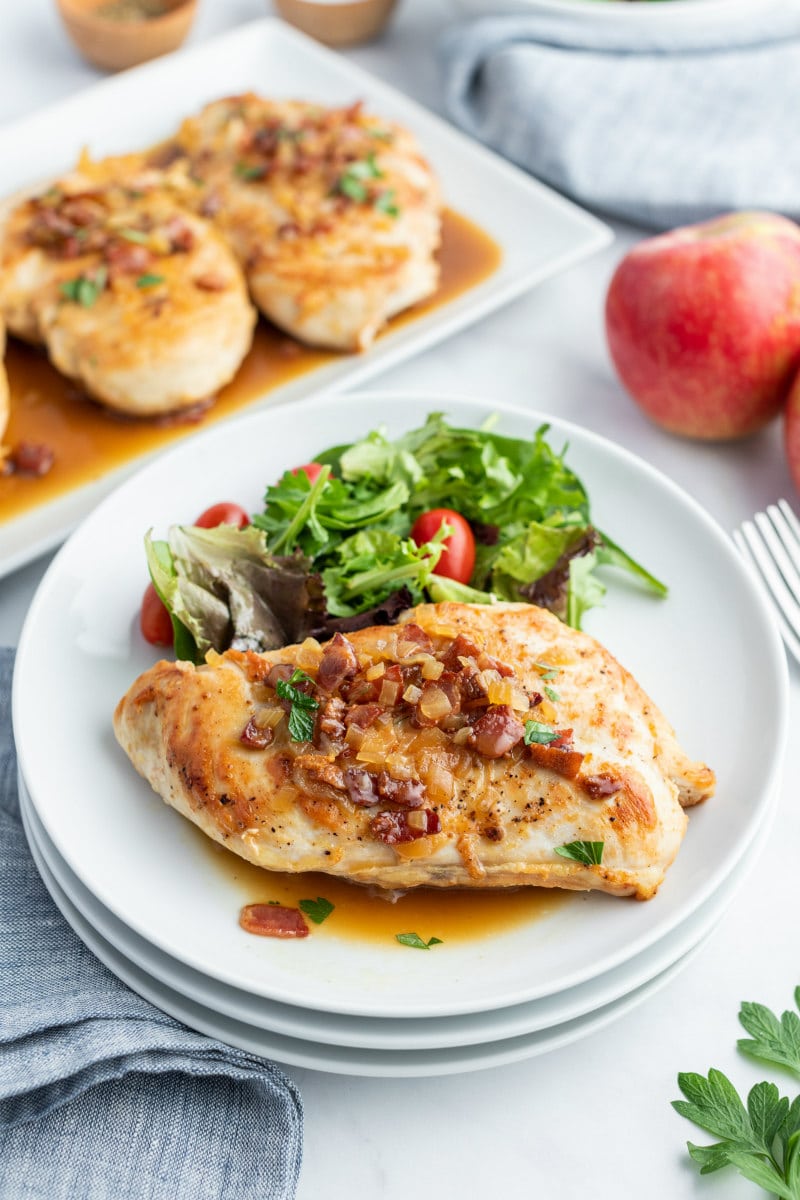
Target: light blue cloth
<point x="103" y="1097"/>
<point x="655" y="122"/>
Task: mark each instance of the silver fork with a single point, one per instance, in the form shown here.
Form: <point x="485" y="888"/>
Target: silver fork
<point x="771" y="543"/>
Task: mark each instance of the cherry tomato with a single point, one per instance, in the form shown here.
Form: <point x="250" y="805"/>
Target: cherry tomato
<point x="312" y="470"/>
<point x="223" y="514"/>
<point x="458" y="557"/>
<point x="154" y="620"/>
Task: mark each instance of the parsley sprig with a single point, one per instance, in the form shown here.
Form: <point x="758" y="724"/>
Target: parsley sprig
<point x="86" y="288"/>
<point x="588" y="853"/>
<point x="416" y="942"/>
<point x="761" y="1138"/>
<point x="303" y="706"/>
<point x="316" y="910"/>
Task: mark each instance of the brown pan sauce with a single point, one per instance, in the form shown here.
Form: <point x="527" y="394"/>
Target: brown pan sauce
<point x="89" y="442"/>
<point x="367" y="915"/>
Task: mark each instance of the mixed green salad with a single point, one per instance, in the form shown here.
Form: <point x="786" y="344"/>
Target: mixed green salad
<point x="369" y="528"/>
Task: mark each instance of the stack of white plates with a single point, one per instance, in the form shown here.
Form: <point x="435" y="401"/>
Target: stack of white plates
<point x="142" y="890"/>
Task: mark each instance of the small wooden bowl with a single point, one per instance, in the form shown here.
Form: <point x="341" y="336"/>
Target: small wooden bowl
<point x="115" y="43"/>
<point x="342" y="24"/>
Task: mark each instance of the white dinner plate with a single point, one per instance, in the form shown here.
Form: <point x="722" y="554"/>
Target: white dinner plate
<point x="342" y="1060"/>
<point x="709" y="655"/>
<point x="646" y="15"/>
<point x="385" y="1033"/>
<point x="538" y="231"/>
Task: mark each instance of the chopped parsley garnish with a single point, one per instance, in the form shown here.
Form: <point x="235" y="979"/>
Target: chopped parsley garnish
<point x="537" y="731"/>
<point x="135" y="235"/>
<point x="316" y="910"/>
<point x="413" y="939"/>
<point x="301" y="714"/>
<point x="386" y="202"/>
<point x="546" y="671"/>
<point x="148" y="281"/>
<point x="85" y="289"/>
<point x="588" y="853"/>
<point x="381" y="135"/>
<point x="246" y="171"/>
<point x="552" y="694"/>
<point x="351" y="182"/>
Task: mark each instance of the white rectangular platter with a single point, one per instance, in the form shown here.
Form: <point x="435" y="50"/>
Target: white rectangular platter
<point x="538" y="231"/>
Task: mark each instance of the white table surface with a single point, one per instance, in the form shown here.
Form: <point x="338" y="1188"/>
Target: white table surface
<point x="593" y="1119"/>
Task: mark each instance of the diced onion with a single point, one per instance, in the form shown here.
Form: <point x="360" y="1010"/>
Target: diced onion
<point x="269" y="717"/>
<point x="434" y="703"/>
<point x="431" y="667"/>
<point x="354" y="736"/>
<point x="501" y="692"/>
<point x="389" y="693"/>
<point x="375" y="671"/>
<point x="308" y="655"/>
<point x="418" y="820"/>
<point x="461" y="736"/>
<point x="412" y="693"/>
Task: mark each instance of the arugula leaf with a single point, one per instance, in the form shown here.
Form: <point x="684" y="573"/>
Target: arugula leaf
<point x="303" y="706"/>
<point x="316" y="910"/>
<point x="413" y="939"/>
<point x="588" y="853"/>
<point x="372" y="563"/>
<point x="610" y="552"/>
<point x="537" y="731"/>
<point x="771" y="1040"/>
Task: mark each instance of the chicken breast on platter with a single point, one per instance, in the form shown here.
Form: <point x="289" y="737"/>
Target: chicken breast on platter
<point x="400" y="758"/>
<point x="334" y="214"/>
<point x="136" y="298"/>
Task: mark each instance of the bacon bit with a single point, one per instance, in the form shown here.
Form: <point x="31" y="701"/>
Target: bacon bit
<point x="393" y="827"/>
<point x="30" y="458"/>
<point x="180" y="234"/>
<point x="331" y="718"/>
<point x="416" y="636"/>
<point x="166" y="155"/>
<point x="273" y="920"/>
<point x="599" y="786"/>
<point x="361" y="787"/>
<point x="363" y="715"/>
<point x="289" y="229"/>
<point x="555" y="758"/>
<point x="319" y="770"/>
<point x="211" y="205"/>
<point x="127" y="258"/>
<point x="212" y="281"/>
<point x="497" y="732"/>
<point x="408" y="793"/>
<point x="338" y="663"/>
<point x="460" y="648"/>
<point x="279" y="672"/>
<point x="255" y="737"/>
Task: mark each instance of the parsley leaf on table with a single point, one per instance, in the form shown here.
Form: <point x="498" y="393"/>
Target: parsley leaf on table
<point x="761" y="1139"/>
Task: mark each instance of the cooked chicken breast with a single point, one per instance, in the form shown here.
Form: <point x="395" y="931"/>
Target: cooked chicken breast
<point x="413" y="767"/>
<point x="136" y="298"/>
<point x="334" y="214"/>
<point x="4" y="394"/>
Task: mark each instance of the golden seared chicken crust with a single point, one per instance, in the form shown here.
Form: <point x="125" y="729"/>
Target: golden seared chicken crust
<point x="135" y="297"/>
<point x="415" y="769"/>
<point x="334" y="213"/>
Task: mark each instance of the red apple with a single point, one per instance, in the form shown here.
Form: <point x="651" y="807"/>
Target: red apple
<point x="791" y="431"/>
<point x="703" y="323"/>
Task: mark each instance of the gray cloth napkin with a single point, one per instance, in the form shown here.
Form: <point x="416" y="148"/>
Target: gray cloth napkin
<point x="661" y="122"/>
<point x="103" y="1097"/>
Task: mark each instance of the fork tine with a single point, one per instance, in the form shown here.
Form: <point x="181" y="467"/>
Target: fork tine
<point x="790" y="518"/>
<point x="786" y="609"/>
<point x="788" y="563"/>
